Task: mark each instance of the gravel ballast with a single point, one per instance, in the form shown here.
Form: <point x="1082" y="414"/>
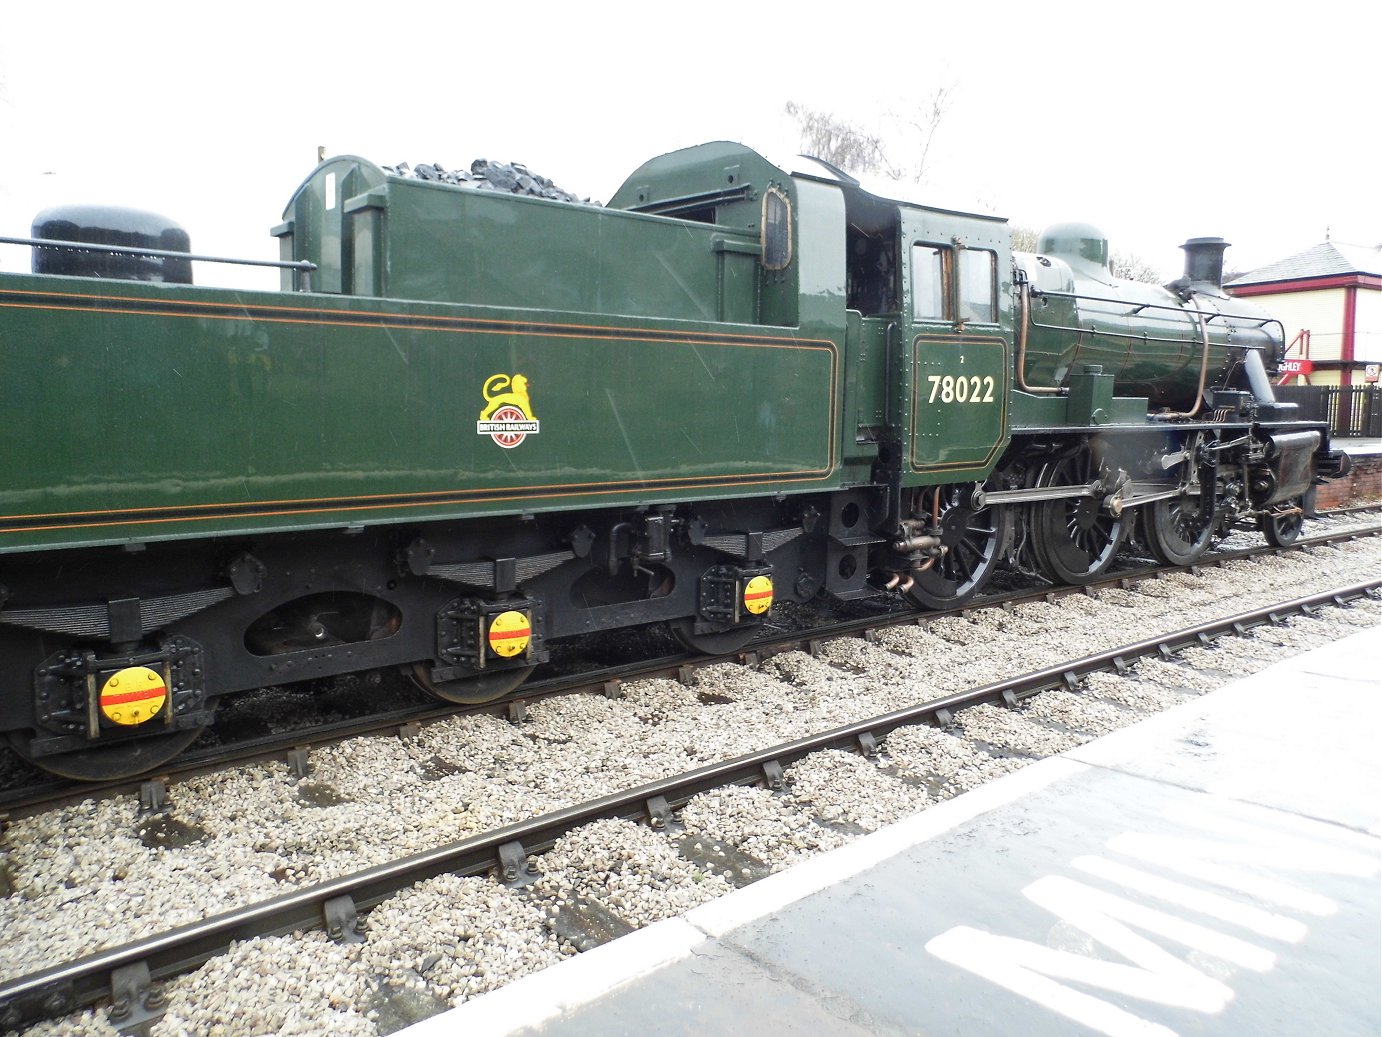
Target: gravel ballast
<point x="97" y="874"/>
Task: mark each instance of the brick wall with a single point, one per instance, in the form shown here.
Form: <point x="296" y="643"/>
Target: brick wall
<point x="1364" y="482"/>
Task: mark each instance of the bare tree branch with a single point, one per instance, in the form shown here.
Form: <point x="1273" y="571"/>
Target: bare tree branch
<point x="925" y="120"/>
<point x="826" y="137"/>
<point x="902" y="155"/>
<point x="859" y="152"/>
<point x="1024" y="238"/>
<point x="1129" y="267"/>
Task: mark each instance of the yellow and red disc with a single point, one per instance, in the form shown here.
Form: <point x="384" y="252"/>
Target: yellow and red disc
<point x="133" y="695"/>
<point x="509" y="634"/>
<point x="758" y="595"/>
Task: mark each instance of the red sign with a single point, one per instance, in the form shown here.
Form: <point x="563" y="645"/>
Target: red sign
<point x="1296" y="366"/>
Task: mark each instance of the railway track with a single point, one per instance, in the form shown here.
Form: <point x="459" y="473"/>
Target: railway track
<point x="126" y="975"/>
<point x="295" y="746"/>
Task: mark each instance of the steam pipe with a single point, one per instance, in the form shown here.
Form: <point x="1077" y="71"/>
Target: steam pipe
<point x="1258" y="381"/>
<point x="1204" y="373"/>
<point x="1024" y="294"/>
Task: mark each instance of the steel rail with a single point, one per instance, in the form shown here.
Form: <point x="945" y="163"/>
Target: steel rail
<point x="131" y="970"/>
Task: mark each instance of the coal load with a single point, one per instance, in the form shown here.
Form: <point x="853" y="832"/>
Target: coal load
<point x="484" y="175"/>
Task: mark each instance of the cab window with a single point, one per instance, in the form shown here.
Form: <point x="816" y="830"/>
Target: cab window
<point x="978" y="285"/>
<point x="930" y="300"/>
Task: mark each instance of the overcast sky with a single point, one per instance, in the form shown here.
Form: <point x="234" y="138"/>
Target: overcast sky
<point x="1155" y="121"/>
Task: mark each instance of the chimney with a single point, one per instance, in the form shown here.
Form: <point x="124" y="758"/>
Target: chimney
<point x="1204" y="261"/>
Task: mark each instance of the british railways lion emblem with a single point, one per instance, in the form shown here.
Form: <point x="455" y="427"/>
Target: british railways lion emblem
<point x="508" y="417"/>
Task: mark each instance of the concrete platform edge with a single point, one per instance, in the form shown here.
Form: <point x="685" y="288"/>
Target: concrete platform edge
<point x="530" y="1001"/>
<point x="589" y="976"/>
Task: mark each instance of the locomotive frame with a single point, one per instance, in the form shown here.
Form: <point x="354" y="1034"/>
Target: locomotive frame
<point x="496" y="421"/>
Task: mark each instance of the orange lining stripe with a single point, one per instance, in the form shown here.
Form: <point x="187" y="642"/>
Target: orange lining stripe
<point x="364" y="507"/>
<point x="517" y="492"/>
<point x="501" y="326"/>
<point x="767" y="343"/>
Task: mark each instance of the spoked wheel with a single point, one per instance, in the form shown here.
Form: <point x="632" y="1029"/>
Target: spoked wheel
<point x="1282" y="530"/>
<point x="973" y="540"/>
<point x="473" y="689"/>
<point x="1174" y="530"/>
<point x="1074" y="539"/>
<point x="719" y="642"/>
<point x="111" y="761"/>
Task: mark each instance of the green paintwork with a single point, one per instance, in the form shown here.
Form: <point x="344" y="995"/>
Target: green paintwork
<point x="420" y="240"/>
<point x="659" y="365"/>
<point x="1138" y="333"/>
<point x="952" y="395"/>
<point x="725" y="182"/>
<point x="959" y="405"/>
<point x="158" y="412"/>
<point x="669" y="358"/>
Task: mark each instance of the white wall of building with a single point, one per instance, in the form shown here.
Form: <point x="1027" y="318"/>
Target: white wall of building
<point x="1322" y="312"/>
<point x="1367" y="330"/>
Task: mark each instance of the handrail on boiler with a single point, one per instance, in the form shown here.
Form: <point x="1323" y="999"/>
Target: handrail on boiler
<point x="1202" y="319"/>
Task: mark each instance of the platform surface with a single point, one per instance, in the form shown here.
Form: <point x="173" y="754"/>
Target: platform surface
<point x="1212" y="870"/>
<point x="1356" y="447"/>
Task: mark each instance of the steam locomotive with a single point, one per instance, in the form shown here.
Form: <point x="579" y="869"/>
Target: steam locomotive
<point x="472" y="423"/>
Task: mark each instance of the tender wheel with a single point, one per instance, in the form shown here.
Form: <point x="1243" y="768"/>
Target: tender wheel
<point x="1174" y="531"/>
<point x="1283" y="530"/>
<point x="973" y="542"/>
<point x="1074" y="539"/>
<point x="481" y="686"/>
<point x="721" y="642"/>
<point x="109" y="761"/>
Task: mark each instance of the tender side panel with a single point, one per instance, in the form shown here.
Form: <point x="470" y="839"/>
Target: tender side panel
<point x="456" y="245"/>
<point x="151" y="414"/>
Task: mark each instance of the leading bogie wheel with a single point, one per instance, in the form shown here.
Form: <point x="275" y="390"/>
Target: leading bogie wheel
<point x="1282" y="529"/>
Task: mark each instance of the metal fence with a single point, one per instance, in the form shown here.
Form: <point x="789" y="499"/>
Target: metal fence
<point x="1351" y="410"/>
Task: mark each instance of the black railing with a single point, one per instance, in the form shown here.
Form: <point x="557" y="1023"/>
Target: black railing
<point x="304" y="269"/>
<point x="1351" y="410"/>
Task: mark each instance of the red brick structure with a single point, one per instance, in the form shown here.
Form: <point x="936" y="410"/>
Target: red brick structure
<point x="1363" y="483"/>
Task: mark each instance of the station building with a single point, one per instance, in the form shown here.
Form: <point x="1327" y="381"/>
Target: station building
<point x="1329" y="300"/>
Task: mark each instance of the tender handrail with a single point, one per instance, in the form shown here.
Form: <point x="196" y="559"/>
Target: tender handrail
<point x="302" y="266"/>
